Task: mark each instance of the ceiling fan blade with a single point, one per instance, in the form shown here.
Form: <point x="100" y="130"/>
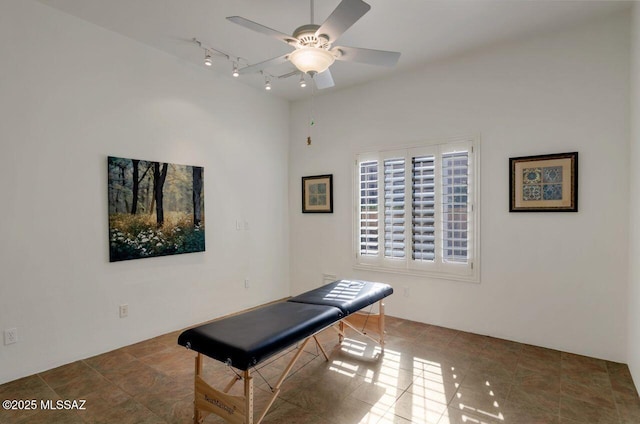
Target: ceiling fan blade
<point x="323" y="80"/>
<point x="254" y="26"/>
<point x="341" y="19"/>
<point x="372" y="57"/>
<point x="263" y="65"/>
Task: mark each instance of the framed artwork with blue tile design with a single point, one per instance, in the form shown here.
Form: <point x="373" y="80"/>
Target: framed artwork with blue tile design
<point x="317" y="194"/>
<point x="544" y="183"/>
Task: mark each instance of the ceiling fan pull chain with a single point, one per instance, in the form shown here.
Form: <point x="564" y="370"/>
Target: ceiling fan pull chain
<point x="311" y="123"/>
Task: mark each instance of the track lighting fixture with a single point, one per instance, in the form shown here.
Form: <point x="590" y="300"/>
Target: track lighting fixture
<point x="210" y="52"/>
<point x="239" y="63"/>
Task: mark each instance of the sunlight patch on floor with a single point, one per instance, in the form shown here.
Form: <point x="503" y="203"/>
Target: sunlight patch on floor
<point x="464" y="404"/>
<point x="423" y="393"/>
<point x="428" y="392"/>
<point x="353" y="347"/>
<point x="381" y="377"/>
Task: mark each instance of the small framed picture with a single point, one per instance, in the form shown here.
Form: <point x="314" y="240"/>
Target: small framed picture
<point x="317" y="194"/>
<point x="545" y="183"/>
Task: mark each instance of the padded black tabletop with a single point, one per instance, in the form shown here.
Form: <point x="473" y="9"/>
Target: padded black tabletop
<point x="247" y="339"/>
<point x="348" y="295"/>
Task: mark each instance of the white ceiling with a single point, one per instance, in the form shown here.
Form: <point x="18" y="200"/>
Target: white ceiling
<point x="423" y="31"/>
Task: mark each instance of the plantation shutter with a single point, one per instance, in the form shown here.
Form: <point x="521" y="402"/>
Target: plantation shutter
<point x="368" y="216"/>
<point x="455" y="210"/>
<point x="394" y="208"/>
<point x="423" y="208"/>
<point x="416" y="212"/>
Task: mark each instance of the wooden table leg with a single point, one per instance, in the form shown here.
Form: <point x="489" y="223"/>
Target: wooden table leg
<point x="248" y="397"/>
<point x="197" y="418"/>
<point x="381" y="325"/>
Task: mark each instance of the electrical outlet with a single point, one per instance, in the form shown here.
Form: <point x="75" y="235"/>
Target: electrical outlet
<point x="124" y="311"/>
<point x="246" y="283"/>
<point x="10" y="336"/>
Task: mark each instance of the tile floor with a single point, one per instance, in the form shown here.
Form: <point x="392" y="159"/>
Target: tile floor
<point x="428" y="374"/>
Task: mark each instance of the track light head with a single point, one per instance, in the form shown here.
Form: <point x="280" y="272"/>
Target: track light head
<point x="303" y="83"/>
<point x="235" y="73"/>
<point x="207" y="58"/>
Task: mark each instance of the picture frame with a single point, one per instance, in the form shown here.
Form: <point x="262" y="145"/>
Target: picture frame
<point x="317" y="194"/>
<point x="155" y="208"/>
<point x="544" y="183"/>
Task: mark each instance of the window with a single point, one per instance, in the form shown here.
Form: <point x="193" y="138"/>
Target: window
<point x="416" y="211"/>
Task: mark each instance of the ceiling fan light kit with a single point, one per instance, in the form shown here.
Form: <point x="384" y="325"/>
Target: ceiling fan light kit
<point x="312" y="60"/>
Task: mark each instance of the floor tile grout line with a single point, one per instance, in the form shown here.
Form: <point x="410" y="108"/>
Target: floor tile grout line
<point x="615" y="401"/>
<point x="613" y="397"/>
<point x="58" y="394"/>
<point x="131" y="397"/>
<point x="55" y="392"/>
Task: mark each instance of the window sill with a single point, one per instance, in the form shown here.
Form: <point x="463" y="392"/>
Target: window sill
<point x="474" y="278"/>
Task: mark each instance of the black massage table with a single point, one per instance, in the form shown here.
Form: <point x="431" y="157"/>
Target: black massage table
<point x="245" y="340"/>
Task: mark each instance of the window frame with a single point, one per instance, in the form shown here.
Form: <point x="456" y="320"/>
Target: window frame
<point x="470" y="271"/>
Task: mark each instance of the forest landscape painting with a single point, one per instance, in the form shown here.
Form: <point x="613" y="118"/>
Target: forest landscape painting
<point x="155" y="209"/>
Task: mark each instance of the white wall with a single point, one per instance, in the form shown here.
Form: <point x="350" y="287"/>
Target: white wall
<point x="550" y="279"/>
<point x="70" y="95"/>
<point x="634" y="229"/>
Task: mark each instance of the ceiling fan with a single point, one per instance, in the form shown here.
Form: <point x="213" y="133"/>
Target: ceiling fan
<point x="314" y="51"/>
